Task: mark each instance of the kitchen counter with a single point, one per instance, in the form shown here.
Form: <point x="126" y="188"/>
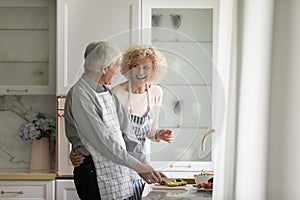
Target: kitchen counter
<point x="189" y="194"/>
<point x="27" y="176"/>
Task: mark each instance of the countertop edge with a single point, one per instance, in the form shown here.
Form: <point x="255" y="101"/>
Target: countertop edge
<point x="28" y="176"/>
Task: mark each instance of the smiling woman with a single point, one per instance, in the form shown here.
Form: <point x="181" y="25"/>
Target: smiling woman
<point x="142" y="65"/>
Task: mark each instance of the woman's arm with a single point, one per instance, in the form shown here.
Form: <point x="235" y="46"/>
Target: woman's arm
<point x="76" y="160"/>
<point x="157" y="134"/>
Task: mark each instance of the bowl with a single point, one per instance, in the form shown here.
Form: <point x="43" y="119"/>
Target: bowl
<point x="202" y="178"/>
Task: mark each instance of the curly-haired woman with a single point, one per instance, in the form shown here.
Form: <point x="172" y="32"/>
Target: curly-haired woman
<point x="143" y="66"/>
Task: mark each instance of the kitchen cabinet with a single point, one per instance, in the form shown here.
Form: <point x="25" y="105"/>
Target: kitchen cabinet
<point x="27" y="190"/>
<point x="65" y="190"/>
<point x="185" y="32"/>
<point x="64" y="167"/>
<point x="27" y="52"/>
<point x="80" y="22"/>
<point x="65" y="187"/>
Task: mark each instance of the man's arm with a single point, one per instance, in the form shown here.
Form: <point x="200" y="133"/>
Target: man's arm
<point x="93" y="131"/>
<point x="91" y="127"/>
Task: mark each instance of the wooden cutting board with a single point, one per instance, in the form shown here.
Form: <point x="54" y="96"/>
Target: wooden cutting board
<point x="163" y="187"/>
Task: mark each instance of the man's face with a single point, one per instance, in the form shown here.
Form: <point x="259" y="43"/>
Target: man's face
<point x="111" y="72"/>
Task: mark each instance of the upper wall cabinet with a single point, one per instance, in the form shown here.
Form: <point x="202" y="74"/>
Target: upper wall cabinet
<point x="80" y="22"/>
<point x="185" y="32"/>
<point x="27" y="50"/>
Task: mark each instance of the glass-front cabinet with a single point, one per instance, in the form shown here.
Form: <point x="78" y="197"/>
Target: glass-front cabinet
<point x="185" y="32"/>
<point x="27" y="50"/>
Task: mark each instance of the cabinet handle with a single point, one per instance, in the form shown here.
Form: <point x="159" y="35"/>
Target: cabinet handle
<point x="16" y="90"/>
<point x="178" y="107"/>
<point x="60" y="115"/>
<point x="180" y="166"/>
<point x="203" y="140"/>
<point x="20" y="192"/>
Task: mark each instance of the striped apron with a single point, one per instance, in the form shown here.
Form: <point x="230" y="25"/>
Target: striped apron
<point x="141" y="127"/>
<point x="114" y="180"/>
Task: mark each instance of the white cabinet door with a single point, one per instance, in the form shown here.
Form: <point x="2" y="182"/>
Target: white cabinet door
<point x="65" y="190"/>
<point x="80" y="22"/>
<point x="27" y="50"/>
<point x="27" y="190"/>
<point x="185" y="32"/>
<point x="186" y="106"/>
<point x="189" y="63"/>
<point x="64" y="165"/>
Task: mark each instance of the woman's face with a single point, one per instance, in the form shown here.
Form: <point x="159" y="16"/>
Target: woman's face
<point x="142" y="71"/>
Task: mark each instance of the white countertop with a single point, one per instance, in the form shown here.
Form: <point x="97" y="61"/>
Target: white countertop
<point x="189" y="194"/>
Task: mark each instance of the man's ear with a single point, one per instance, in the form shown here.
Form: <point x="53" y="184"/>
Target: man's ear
<point x="104" y="69"/>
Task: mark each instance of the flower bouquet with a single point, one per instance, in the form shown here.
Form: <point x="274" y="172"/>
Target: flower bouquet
<point x="38" y="128"/>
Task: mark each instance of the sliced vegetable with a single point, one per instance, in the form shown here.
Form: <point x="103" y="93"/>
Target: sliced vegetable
<point x="176" y="182"/>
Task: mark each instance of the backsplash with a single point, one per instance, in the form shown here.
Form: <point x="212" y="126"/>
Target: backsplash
<point x="15" y="153"/>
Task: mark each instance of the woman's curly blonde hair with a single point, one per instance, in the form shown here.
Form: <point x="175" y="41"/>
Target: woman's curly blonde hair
<point x="138" y="52"/>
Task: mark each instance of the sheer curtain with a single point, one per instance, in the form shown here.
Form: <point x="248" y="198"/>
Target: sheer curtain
<point x="227" y="68"/>
<point x="244" y="62"/>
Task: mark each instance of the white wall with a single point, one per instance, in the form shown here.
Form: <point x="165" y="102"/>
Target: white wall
<point x="284" y="147"/>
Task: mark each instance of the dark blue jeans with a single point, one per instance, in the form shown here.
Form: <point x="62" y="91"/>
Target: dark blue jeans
<point x="85" y="180"/>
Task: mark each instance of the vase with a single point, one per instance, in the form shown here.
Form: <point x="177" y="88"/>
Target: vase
<point x="40" y="155"/>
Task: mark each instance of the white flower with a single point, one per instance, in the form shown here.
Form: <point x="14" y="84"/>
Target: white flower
<point x="38" y="128"/>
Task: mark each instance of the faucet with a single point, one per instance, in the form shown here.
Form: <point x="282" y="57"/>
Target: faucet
<point x="203" y="140"/>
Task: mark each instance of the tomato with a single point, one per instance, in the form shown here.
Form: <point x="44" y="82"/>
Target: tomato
<point x="207" y="185"/>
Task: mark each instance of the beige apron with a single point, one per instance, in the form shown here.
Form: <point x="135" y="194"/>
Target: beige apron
<point x="113" y="179"/>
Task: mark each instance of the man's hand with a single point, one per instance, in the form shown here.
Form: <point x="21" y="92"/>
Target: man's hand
<point x="75" y="160"/>
<point x="147" y="173"/>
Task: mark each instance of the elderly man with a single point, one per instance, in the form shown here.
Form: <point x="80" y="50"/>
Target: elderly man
<point x="97" y="126"/>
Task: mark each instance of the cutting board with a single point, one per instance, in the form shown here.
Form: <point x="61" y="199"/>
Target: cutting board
<point x="163" y="187"/>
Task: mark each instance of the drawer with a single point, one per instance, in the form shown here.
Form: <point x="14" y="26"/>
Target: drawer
<point x="27" y="190"/>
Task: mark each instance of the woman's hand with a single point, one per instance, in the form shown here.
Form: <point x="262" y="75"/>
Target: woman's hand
<point x="75" y="160"/>
<point x="164" y="134"/>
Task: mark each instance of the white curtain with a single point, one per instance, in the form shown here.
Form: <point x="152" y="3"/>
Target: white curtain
<point x="227" y="68"/>
<point x="243" y="62"/>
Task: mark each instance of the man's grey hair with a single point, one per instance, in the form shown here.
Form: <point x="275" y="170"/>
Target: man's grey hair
<point x="103" y="53"/>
